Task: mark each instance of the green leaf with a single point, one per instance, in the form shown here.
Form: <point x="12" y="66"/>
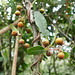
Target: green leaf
<point x="73" y="21"/>
<point x="35" y="50"/>
<point x="41" y="23"/>
<point x="66" y="55"/>
<point x="14" y="28"/>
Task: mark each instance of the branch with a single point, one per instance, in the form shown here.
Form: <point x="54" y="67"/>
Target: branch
<point x="35" y="33"/>
<point x="15" y="57"/>
<point x="2" y="31"/>
<point x="61" y="31"/>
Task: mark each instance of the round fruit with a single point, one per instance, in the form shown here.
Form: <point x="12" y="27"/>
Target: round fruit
<point x="42" y="10"/>
<point x="17" y="13"/>
<point x="48" y="53"/>
<point x="14" y="33"/>
<point x="27" y="45"/>
<point x="45" y="42"/>
<point x="21" y="20"/>
<point x="19" y="7"/>
<point x="60" y="55"/>
<point x="59" y="41"/>
<point x="21" y="41"/>
<point x="28" y="30"/>
<point x="20" y="24"/>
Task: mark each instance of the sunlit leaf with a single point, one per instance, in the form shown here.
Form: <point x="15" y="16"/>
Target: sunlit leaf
<point x="66" y="55"/>
<point x="41" y="23"/>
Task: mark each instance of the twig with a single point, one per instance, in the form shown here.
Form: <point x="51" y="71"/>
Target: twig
<point x="31" y="20"/>
<point x="34" y="2"/>
<point x="38" y="36"/>
<point x="54" y="37"/>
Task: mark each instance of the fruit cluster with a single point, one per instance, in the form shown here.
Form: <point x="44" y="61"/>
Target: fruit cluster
<point x="59" y="41"/>
<point x="21" y="24"/>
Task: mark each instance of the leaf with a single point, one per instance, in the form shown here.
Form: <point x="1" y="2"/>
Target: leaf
<point x="73" y="21"/>
<point x="66" y="55"/>
<point x="14" y="28"/>
<point x="41" y="23"/>
<point x="35" y="50"/>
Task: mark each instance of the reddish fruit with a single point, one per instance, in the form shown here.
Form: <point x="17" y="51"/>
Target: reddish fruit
<point x="60" y="55"/>
<point x="19" y="7"/>
<point x="14" y="33"/>
<point x="42" y="10"/>
<point x="21" y="41"/>
<point x="59" y="41"/>
<point x="28" y="30"/>
<point x="20" y="24"/>
<point x="26" y="45"/>
<point x="17" y="13"/>
<point x="48" y="53"/>
<point x="45" y="42"/>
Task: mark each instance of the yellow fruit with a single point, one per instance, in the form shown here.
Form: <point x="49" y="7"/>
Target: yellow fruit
<point x="59" y="41"/>
<point x="20" y="24"/>
<point x="45" y="42"/>
<point x="60" y="55"/>
<point x="21" y="41"/>
<point x="42" y="10"/>
<point x="19" y="7"/>
<point x="26" y="45"/>
<point x="17" y="13"/>
<point x="14" y="33"/>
